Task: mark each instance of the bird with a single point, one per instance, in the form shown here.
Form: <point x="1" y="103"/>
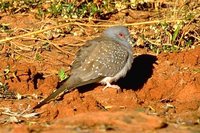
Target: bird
<point x="104" y="60"/>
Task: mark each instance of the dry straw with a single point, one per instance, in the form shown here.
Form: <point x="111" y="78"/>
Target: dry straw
<point x="85" y="24"/>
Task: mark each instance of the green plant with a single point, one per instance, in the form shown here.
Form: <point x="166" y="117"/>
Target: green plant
<point x="6" y="72"/>
<point x="38" y="57"/>
<point x="3" y="87"/>
<point x="5" y="28"/>
<point x="4" y="6"/>
<point x="62" y="75"/>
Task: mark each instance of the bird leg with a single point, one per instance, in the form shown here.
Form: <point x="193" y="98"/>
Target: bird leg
<point x="108" y="85"/>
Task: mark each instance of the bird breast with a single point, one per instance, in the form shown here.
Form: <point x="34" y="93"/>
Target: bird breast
<point x="122" y="73"/>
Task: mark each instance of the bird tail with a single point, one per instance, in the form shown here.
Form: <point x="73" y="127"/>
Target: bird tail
<point x="65" y="87"/>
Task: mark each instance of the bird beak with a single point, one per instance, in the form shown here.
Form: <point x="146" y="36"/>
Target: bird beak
<point x="131" y="41"/>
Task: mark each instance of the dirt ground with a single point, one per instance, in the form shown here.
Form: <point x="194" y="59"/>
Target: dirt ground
<point x="161" y="93"/>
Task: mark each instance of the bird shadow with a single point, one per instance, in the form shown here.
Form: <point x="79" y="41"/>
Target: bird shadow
<point x="87" y="87"/>
<point x="140" y="72"/>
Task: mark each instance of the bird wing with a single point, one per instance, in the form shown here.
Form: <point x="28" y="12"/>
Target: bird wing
<point x="82" y="54"/>
<point x="99" y="58"/>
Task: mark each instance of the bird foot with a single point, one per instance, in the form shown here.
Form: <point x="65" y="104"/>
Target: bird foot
<point x="108" y="85"/>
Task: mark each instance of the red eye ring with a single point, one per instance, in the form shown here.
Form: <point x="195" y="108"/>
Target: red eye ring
<point x="121" y="34"/>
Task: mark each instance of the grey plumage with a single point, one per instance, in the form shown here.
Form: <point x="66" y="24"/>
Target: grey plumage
<point x="102" y="60"/>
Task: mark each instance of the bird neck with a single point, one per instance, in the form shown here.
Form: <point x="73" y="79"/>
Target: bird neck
<point x="123" y="43"/>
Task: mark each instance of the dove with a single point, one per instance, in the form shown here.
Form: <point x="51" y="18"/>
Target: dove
<point x="104" y="59"/>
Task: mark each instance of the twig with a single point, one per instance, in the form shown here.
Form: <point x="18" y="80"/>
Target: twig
<point x="89" y="25"/>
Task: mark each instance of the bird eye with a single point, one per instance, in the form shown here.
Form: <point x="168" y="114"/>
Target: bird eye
<point x="121" y="35"/>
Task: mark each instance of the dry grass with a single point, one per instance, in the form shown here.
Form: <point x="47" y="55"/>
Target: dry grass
<point x="174" y="27"/>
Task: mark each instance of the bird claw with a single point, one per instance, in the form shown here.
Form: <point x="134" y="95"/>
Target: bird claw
<point x="108" y="85"/>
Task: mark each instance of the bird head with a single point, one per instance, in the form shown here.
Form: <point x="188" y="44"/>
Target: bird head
<point x="119" y="34"/>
